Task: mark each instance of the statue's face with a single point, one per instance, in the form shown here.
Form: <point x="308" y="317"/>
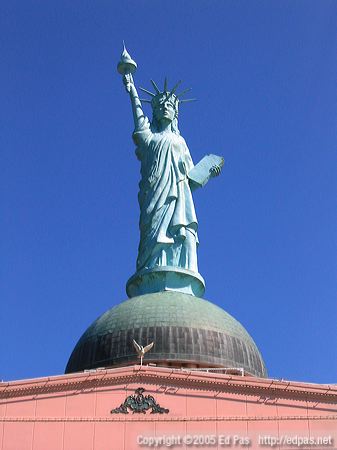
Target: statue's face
<point x="164" y="110"/>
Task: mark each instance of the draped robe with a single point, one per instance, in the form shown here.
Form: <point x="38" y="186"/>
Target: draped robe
<point x="168" y="223"/>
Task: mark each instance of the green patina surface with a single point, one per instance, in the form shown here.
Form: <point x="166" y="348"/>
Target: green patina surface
<point x="168" y="223"/>
<point x="167" y="309"/>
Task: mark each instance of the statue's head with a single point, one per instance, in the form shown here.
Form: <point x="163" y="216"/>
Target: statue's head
<point x="165" y="105"/>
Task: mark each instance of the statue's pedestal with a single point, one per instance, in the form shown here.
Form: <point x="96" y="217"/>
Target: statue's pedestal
<point x="165" y="278"/>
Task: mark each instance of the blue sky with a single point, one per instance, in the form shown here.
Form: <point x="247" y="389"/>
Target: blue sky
<point x="264" y="74"/>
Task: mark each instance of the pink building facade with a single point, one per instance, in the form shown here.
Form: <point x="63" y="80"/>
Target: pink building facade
<point x="182" y="409"/>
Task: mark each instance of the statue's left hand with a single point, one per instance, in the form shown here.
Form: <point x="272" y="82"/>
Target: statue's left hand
<point x="215" y="170"/>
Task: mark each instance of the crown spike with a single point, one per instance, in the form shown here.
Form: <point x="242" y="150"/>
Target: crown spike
<point x="155" y="87"/>
<point x="165" y="84"/>
<point x="184" y="92"/>
<point x="175" y="87"/>
<point x="148" y="92"/>
<point x="187" y="100"/>
<point x="144" y="100"/>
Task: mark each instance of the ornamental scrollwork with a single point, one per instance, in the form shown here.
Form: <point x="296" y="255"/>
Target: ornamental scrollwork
<point x="139" y="403"/>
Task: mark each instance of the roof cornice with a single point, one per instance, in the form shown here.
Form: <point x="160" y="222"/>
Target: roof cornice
<point x="94" y="379"/>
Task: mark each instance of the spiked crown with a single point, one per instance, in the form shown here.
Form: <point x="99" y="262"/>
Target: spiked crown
<point x="166" y="94"/>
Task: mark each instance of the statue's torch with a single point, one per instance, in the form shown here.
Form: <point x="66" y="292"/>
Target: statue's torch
<point x="126" y="66"/>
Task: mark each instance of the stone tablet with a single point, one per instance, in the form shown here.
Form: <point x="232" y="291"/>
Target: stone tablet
<point x="201" y="173"/>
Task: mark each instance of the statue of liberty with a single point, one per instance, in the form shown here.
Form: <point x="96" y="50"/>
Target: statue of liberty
<point x="168" y="222"/>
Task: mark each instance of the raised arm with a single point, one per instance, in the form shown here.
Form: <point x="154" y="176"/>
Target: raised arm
<point x="137" y="110"/>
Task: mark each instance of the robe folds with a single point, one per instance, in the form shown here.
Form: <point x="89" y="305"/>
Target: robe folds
<point x="168" y="223"/>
